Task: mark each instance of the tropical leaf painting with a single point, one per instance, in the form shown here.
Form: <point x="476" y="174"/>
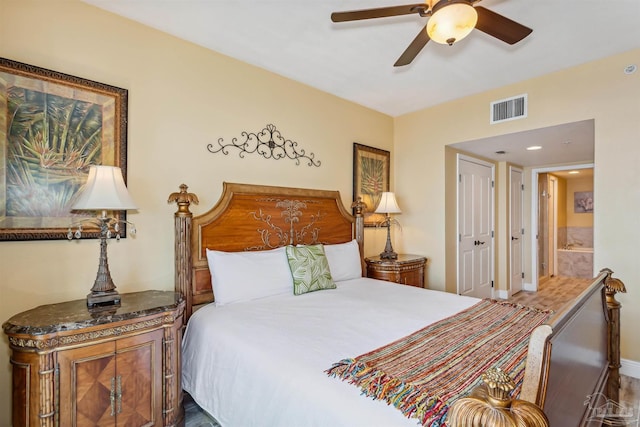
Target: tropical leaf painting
<point x="53" y="126"/>
<point x="370" y="179"/>
<point x="51" y="142"/>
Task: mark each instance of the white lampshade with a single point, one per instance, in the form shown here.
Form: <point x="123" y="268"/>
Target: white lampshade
<point x="451" y="22"/>
<point x="104" y="190"/>
<point x="388" y="204"/>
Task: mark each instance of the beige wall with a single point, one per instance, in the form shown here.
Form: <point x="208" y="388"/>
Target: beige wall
<point x="181" y="98"/>
<point x="562" y="202"/>
<point x="574" y="219"/>
<point x="598" y="90"/>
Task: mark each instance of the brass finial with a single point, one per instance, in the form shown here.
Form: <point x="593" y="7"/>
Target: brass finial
<point x="500" y="385"/>
<point x="183" y="199"/>
<point x="359" y="206"/>
<point x="615" y="285"/>
<point x="489" y="404"/>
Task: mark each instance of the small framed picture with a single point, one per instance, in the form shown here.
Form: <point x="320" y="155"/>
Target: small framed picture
<point x="583" y="202"/>
<point x="371" y="168"/>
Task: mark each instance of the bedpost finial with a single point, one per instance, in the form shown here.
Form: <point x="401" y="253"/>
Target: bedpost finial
<point x="183" y="198"/>
<point x="499" y="384"/>
<point x="490" y="404"/>
<point x="359" y="206"/>
<point x="612" y="284"/>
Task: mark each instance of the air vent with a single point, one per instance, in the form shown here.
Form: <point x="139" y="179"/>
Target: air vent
<point x="509" y="109"/>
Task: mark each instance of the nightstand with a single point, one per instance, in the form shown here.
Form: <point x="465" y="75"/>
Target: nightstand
<point x="406" y="270"/>
<point x="119" y="365"/>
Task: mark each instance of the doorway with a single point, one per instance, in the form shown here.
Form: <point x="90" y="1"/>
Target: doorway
<point x="547" y="214"/>
<point x="565" y="144"/>
<point x="554" y="231"/>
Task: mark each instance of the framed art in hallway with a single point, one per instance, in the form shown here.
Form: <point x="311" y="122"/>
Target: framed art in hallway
<point x="370" y="178"/>
<point x="53" y="126"/>
<point x="583" y="202"/>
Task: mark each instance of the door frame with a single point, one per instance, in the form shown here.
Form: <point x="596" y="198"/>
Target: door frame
<point x="522" y="222"/>
<point x="492" y="268"/>
<point x="533" y="266"/>
<point x="553" y="229"/>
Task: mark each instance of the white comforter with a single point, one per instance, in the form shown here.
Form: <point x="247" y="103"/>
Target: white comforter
<point x="262" y="362"/>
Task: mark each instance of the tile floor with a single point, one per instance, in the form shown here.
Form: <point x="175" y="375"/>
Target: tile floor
<point x="630" y="390"/>
<point x="553" y="293"/>
<point x="195" y="416"/>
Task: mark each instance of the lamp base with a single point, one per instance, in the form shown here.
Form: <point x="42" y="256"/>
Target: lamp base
<point x="388" y="249"/>
<point x="100" y="299"/>
<point x="103" y="292"/>
<point x="388" y="255"/>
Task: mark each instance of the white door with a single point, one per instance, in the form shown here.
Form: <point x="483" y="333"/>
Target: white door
<point x="515" y="253"/>
<point x="475" y="227"/>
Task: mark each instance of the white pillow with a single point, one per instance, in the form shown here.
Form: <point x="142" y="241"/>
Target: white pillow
<point x="344" y="260"/>
<point x="243" y="276"/>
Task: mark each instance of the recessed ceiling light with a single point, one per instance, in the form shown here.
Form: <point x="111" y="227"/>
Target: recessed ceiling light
<point x="501" y="152"/>
<point x="573" y="172"/>
<point x="534" y="147"/>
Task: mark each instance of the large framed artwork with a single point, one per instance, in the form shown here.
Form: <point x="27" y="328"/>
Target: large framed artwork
<point x="370" y="178"/>
<point x="53" y="126"/>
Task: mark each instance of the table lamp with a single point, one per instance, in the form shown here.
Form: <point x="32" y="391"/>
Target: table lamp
<point x="388" y="205"/>
<point x="104" y="191"/>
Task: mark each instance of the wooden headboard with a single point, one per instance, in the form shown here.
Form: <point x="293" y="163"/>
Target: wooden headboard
<point x="254" y="217"/>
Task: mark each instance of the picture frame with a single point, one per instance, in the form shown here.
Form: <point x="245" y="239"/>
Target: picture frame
<point x="53" y="126"/>
<point x="371" y="167"/>
<point x="583" y="202"/>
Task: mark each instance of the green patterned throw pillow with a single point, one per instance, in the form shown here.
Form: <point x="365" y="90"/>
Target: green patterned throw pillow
<point x="309" y="268"/>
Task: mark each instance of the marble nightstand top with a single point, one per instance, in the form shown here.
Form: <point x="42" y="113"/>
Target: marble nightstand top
<point x="73" y="315"/>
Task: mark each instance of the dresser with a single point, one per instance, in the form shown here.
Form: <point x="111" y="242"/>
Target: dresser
<point x="406" y="269"/>
<point x="113" y="366"/>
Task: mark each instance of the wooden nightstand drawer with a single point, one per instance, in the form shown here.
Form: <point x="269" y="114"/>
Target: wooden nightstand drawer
<point x="406" y="270"/>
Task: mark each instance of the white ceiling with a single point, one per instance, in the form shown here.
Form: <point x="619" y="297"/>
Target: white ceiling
<point x="354" y="60"/>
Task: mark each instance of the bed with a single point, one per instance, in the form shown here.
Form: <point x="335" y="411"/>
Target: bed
<point x="271" y="357"/>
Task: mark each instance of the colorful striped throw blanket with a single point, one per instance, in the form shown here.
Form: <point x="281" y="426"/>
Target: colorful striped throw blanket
<point x="423" y="373"/>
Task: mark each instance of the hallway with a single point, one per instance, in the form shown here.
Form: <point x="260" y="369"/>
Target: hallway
<point x="553" y="293"/>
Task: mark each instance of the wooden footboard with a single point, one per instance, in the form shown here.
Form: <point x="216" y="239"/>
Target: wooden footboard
<point x="577" y="356"/>
<point x="573" y="365"/>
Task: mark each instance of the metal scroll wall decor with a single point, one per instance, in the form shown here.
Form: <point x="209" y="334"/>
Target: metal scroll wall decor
<point x="268" y="143"/>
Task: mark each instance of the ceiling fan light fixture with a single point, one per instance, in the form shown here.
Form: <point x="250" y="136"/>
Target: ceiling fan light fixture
<point x="451" y="21"/>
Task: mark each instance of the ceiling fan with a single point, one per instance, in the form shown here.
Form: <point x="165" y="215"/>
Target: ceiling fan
<point x="449" y="21"/>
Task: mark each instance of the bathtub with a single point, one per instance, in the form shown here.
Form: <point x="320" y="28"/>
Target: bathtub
<point x="575" y="262"/>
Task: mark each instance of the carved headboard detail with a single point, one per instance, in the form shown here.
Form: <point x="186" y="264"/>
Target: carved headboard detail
<point x="302" y="225"/>
<point x="254" y="217"/>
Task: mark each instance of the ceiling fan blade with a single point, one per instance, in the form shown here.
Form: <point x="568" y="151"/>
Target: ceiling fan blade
<point x="414" y="48"/>
<point x="500" y="26"/>
<point x="382" y="12"/>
